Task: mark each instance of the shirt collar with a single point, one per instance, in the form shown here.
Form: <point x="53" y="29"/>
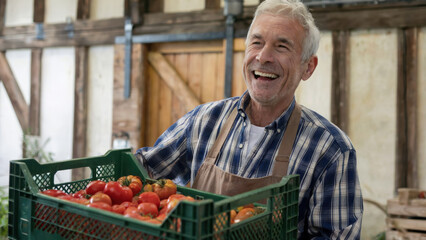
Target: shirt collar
<point x="279" y="123"/>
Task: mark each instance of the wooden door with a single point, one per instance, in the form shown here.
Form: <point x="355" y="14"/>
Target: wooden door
<point x="183" y="75"/>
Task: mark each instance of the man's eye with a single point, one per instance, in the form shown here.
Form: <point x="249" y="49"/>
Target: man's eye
<point x="283" y="46"/>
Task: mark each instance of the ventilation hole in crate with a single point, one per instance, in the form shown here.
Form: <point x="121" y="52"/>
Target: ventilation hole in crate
<point x="42" y="180"/>
<point x="105" y="171"/>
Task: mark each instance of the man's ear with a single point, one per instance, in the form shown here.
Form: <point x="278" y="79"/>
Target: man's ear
<point x="310" y="68"/>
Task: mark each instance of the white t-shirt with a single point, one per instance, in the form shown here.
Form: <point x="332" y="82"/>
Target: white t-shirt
<point x="254" y="136"/>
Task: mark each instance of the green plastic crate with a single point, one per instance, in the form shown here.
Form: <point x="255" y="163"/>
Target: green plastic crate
<point x="33" y="215"/>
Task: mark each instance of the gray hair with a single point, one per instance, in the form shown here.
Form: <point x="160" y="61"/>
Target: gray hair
<point x="298" y="11"/>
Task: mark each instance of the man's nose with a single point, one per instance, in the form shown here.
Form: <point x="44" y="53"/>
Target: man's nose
<point x="265" y="55"/>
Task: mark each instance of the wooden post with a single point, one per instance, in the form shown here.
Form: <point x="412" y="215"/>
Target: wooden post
<point x="406" y="162"/>
<point x="212" y="4"/>
<point x="127" y="112"/>
<point x="38" y="16"/>
<point x="34" y="117"/>
<point x="2" y="14"/>
<point x="340" y="85"/>
<point x="80" y="96"/>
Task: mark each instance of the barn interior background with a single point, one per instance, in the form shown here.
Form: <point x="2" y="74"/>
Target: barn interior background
<point x="80" y="77"/>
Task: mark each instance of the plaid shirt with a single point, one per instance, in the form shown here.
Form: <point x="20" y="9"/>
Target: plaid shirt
<point x="330" y="201"/>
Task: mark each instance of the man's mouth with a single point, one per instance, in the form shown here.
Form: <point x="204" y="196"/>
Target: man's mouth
<point x="270" y="76"/>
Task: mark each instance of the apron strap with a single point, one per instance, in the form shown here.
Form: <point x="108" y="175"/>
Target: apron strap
<point x="283" y="157"/>
<point x="217" y="146"/>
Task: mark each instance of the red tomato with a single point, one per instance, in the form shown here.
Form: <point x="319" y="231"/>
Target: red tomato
<point x="83" y="201"/>
<point x="81" y="194"/>
<point x="133" y="182"/>
<point x="137" y="216"/>
<point x="163" y="203"/>
<point x="100" y="205"/>
<point x="129" y="204"/>
<point x="65" y="197"/>
<point x="131" y="210"/>
<point x="244" y="214"/>
<point x="54" y="192"/>
<point x="164" y="188"/>
<point x="171" y="204"/>
<point x="118" y="193"/>
<point x="151" y="197"/>
<point x="148" y="209"/>
<point x="118" y="208"/>
<point x="95" y="186"/>
<point x="101" y="197"/>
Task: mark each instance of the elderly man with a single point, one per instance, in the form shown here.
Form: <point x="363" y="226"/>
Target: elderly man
<point x="241" y="143"/>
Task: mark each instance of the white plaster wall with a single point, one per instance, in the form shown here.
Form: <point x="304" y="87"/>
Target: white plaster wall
<point x="18" y="12"/>
<point x="421" y="120"/>
<point x="101" y="81"/>
<point x="183" y="5"/>
<point x="58" y="11"/>
<point x="100" y="100"/>
<point x="101" y="9"/>
<point x="315" y="93"/>
<point x="10" y="130"/>
<point x="246" y="3"/>
<point x="372" y="118"/>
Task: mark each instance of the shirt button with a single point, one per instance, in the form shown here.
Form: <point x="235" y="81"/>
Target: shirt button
<point x="279" y="130"/>
<point x="243" y="115"/>
<point x="241" y="145"/>
<point x="244" y="124"/>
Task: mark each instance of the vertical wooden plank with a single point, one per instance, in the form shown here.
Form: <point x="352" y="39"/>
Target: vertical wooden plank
<point x="155" y="6"/>
<point x="38" y="13"/>
<point x="83" y="9"/>
<point x="2" y="15"/>
<point x="220" y="82"/>
<point x="143" y="141"/>
<point x="238" y="84"/>
<point x="212" y="4"/>
<point x="153" y="86"/>
<point x="14" y="92"/>
<point x="406" y="161"/>
<point x="181" y="63"/>
<point x="34" y="117"/>
<point x="340" y="84"/>
<point x="209" y="78"/>
<point x="135" y="10"/>
<point x="165" y="107"/>
<point x="195" y="73"/>
<point x="80" y="106"/>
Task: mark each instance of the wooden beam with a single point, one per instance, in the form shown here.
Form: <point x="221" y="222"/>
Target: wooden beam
<point x="38" y="11"/>
<point x="86" y="33"/>
<point x="349" y="19"/>
<point x="83" y="9"/>
<point x="14" y="92"/>
<point x="127" y="111"/>
<point x="172" y="78"/>
<point x="339" y="79"/>
<point x="407" y="148"/>
<point x="34" y="111"/>
<point x="2" y="15"/>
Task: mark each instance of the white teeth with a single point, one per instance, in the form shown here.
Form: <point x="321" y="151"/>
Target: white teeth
<point x="262" y="74"/>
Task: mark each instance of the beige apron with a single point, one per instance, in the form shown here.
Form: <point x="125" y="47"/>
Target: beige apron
<point x="213" y="179"/>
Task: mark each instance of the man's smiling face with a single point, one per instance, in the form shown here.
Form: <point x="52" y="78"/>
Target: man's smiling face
<point x="273" y="64"/>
